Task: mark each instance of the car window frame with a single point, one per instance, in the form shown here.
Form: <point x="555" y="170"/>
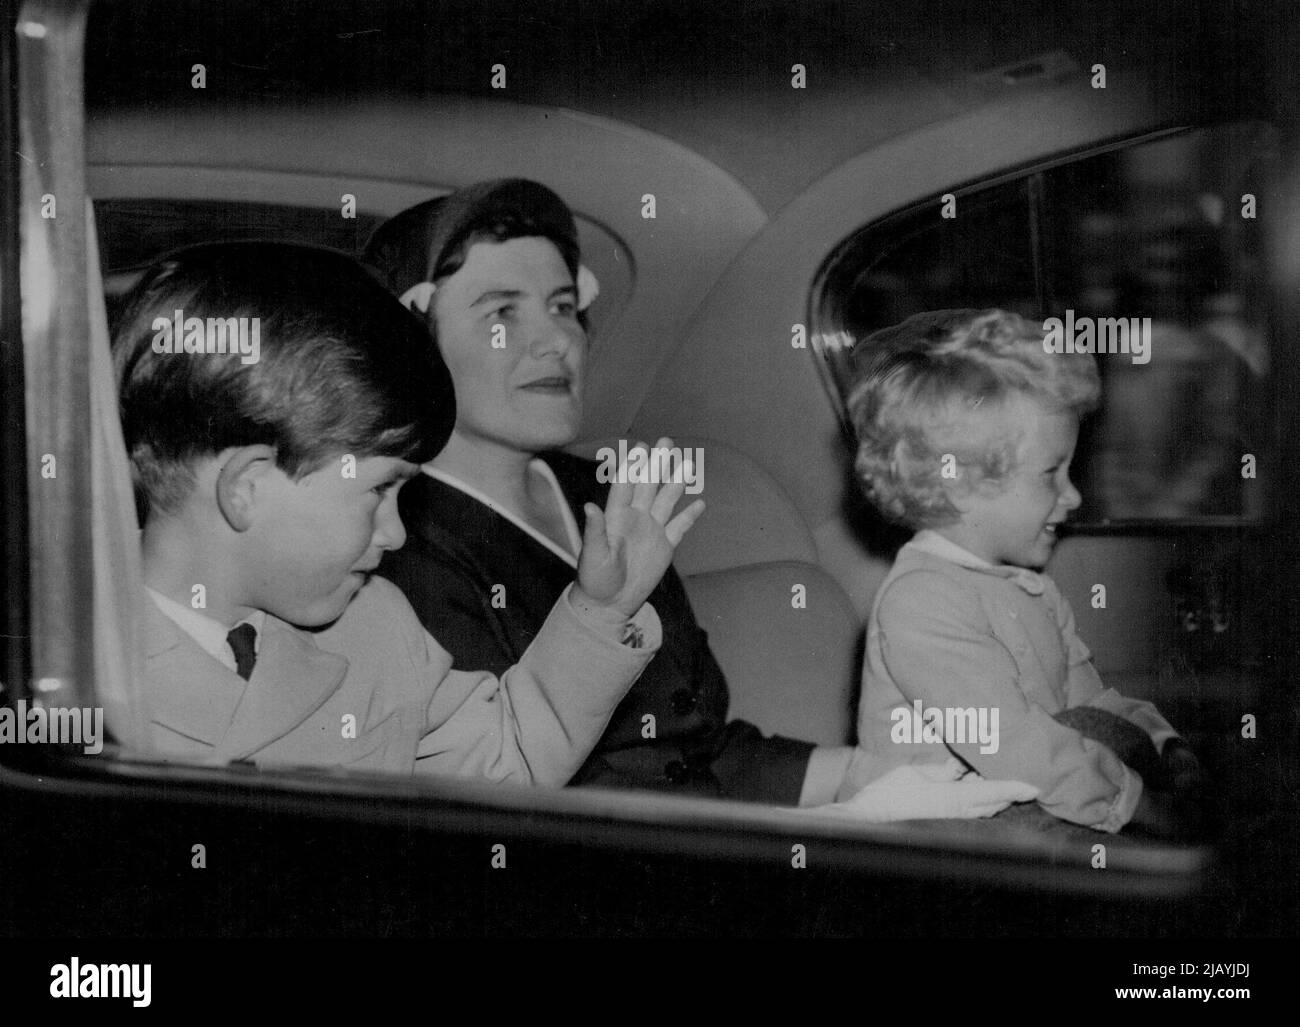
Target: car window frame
<point x="16" y="657"/>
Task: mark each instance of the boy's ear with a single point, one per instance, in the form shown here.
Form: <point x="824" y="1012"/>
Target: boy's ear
<point x="239" y="481"/>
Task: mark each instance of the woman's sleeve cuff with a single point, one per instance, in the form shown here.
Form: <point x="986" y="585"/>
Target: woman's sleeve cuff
<point x="641" y="631"/>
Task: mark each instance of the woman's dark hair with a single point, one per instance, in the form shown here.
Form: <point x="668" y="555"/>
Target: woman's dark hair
<point x="430" y="241"/>
<point x="339" y="366"/>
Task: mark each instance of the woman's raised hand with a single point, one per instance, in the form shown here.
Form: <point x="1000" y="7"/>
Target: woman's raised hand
<point x="627" y="548"/>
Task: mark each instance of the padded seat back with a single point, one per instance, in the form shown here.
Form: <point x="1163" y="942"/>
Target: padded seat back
<point x="792" y="671"/>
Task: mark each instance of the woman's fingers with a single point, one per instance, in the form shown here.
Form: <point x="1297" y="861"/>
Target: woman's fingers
<point x="647" y="485"/>
<point x="678" y="527"/>
<point x="662" y="507"/>
<point x="1012" y="791"/>
<point x="910" y="793"/>
<point x="620" y="492"/>
<point x="987" y="810"/>
<point x="593" y="532"/>
<point x="657" y="484"/>
<point x="951" y="769"/>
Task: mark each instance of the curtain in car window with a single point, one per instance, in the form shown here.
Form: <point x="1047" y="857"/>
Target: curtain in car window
<point x="115" y="533"/>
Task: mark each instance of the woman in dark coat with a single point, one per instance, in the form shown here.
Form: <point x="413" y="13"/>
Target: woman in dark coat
<point x="495" y="521"/>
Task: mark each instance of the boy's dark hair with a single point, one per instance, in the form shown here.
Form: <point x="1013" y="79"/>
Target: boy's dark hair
<point x="341" y="367"/>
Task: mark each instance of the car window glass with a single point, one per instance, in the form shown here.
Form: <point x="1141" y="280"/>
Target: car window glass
<point x="1161" y="238"/>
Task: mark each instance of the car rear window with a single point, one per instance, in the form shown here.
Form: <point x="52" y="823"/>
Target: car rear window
<point x="1161" y="233"/>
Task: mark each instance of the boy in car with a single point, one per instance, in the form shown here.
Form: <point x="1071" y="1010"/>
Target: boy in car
<point x="269" y="493"/>
<point x="966" y="428"/>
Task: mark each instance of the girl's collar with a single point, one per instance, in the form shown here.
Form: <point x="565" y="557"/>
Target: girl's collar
<point x="931" y="542"/>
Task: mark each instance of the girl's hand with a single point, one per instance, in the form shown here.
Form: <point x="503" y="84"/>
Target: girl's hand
<point x="627" y="548"/>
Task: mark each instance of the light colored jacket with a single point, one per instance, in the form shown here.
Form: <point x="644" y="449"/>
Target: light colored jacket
<point x="412" y="712"/>
<point x="954" y="632"/>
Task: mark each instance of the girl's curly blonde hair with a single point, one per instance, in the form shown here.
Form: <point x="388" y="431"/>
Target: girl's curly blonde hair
<point x="931" y="388"/>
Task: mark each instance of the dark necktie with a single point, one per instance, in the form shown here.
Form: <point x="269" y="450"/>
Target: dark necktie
<point x="241" y="640"/>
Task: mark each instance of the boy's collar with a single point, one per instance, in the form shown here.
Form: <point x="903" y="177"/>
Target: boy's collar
<point x="207" y="631"/>
<point x="930" y="541"/>
<point x="204" y="699"/>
